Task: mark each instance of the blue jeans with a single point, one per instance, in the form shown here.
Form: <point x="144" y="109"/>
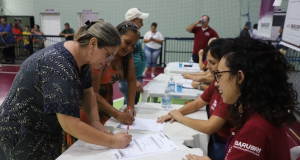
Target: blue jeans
<point x="123" y="88"/>
<point x="151" y="56"/>
<point x="216" y="148"/>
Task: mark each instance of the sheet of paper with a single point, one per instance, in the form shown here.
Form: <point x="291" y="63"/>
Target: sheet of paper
<point x="189" y="81"/>
<point x="145" y="145"/>
<point x="189" y="86"/>
<point x="144" y="125"/>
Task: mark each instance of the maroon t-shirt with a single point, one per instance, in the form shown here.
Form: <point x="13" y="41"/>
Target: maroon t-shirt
<point x="218" y="108"/>
<point x="201" y="37"/>
<point x="258" y="139"/>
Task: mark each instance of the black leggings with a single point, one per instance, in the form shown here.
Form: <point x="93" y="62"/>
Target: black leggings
<point x="9" y="54"/>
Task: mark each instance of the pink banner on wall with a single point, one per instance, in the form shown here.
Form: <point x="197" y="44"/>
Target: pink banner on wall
<point x="265" y="18"/>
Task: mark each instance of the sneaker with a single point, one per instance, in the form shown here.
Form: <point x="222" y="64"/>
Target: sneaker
<point x="144" y="75"/>
<point x="152" y="75"/>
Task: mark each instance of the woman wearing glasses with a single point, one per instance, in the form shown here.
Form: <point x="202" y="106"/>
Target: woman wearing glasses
<point x="254" y="81"/>
<point x="217" y="125"/>
<point x="121" y="67"/>
<point x="47" y="91"/>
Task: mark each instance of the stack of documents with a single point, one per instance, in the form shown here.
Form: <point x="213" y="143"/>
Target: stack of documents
<point x="145" y="145"/>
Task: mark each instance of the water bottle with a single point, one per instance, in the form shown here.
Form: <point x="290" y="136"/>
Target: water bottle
<point x="166" y="99"/>
<point x="191" y="61"/>
<point x="171" y="85"/>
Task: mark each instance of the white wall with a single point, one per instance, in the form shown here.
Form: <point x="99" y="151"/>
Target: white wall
<point x="172" y="16"/>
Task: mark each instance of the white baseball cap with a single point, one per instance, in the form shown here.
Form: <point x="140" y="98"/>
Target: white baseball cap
<point x="135" y="13"/>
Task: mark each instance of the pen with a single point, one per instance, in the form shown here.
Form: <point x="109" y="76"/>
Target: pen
<point x="127" y="129"/>
<point x="129" y="110"/>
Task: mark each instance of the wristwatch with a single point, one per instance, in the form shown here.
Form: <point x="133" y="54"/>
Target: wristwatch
<point x="199" y="85"/>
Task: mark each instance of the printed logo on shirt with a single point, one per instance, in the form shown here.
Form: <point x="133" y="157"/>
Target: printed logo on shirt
<point x="214" y="105"/>
<point x="206" y="33"/>
<point x="247" y="147"/>
<point x="229" y="150"/>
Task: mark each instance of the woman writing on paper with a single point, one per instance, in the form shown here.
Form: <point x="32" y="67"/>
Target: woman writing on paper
<point x="121" y="67"/>
<point x="46" y="94"/>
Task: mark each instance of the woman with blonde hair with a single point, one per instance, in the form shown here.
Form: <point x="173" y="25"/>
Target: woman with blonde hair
<point x="47" y="92"/>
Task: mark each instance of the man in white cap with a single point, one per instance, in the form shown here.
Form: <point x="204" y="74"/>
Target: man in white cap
<point x="136" y="16"/>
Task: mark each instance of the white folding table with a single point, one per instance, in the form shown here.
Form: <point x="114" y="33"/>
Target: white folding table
<point x="182" y="135"/>
<point x="172" y="68"/>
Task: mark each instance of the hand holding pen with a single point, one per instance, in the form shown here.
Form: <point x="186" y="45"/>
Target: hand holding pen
<point x="130" y="111"/>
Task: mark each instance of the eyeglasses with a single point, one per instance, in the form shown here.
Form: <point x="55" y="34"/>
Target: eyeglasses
<point x="218" y="76"/>
<point x="110" y="57"/>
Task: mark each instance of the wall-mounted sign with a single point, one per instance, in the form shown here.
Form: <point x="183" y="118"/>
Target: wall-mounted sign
<point x="49" y="10"/>
<point x="87" y="11"/>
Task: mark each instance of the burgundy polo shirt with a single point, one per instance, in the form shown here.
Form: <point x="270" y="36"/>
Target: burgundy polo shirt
<point x="258" y="139"/>
<point x="201" y="37"/>
<point x="218" y="108"/>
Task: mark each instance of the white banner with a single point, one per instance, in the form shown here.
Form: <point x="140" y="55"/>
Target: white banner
<point x="291" y="31"/>
<point x="265" y="18"/>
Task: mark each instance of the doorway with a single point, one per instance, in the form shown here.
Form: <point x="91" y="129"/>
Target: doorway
<point x="50" y="23"/>
<point x="83" y="17"/>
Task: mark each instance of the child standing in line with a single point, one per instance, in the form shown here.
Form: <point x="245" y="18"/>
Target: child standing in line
<point x="26" y="34"/>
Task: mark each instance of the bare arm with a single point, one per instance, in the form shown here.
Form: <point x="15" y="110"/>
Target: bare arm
<point x="90" y="107"/>
<point x="192" y="75"/>
<point x="209" y="78"/>
<point x="157" y="40"/>
<point x="210" y="126"/>
<point x="105" y="106"/>
<point x="131" y="81"/>
<point x="190" y="27"/>
<point x="196" y="74"/>
<point x="101" y="102"/>
<point x="193" y="106"/>
<point x="88" y="134"/>
<point x="2" y="33"/>
<point x="188" y="108"/>
<point x="204" y="87"/>
<point x="147" y="40"/>
<point x="201" y="65"/>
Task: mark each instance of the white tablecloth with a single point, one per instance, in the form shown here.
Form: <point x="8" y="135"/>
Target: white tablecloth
<point x="179" y="133"/>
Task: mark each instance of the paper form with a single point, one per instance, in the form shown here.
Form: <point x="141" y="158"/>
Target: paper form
<point x="145" y="145"/>
<point x="144" y="125"/>
<point x="189" y="81"/>
<point x="189" y="86"/>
